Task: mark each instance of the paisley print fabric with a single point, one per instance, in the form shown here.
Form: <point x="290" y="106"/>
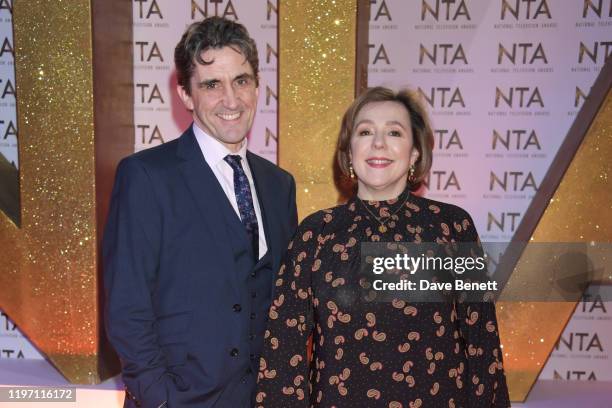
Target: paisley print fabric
<point x="366" y="354"/>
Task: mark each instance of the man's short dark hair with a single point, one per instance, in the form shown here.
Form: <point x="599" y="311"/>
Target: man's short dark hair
<point x="212" y="32"/>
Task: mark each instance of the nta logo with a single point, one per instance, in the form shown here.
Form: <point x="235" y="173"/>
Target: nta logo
<point x="449" y="53"/>
<point x="202" y="8"/>
<point x="527" y="9"/>
<point x="526" y="97"/>
<point x="526" y="53"/>
<point x="451" y="9"/>
<point x="438" y="97"/>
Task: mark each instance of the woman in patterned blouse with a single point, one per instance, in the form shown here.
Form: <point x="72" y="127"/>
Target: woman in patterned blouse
<point x="392" y="354"/>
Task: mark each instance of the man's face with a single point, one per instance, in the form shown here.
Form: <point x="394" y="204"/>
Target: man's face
<point x="223" y="96"/>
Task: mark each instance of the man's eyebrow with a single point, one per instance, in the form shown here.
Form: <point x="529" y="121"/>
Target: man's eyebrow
<point x="208" y="82"/>
<point x="244" y="76"/>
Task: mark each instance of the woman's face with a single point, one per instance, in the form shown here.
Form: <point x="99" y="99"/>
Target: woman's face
<point x="382" y="150"/>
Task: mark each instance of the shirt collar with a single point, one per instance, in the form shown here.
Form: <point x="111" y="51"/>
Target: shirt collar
<point x="213" y="150"/>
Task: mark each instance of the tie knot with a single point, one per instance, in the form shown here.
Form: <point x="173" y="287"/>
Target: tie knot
<point x="233" y="160"/>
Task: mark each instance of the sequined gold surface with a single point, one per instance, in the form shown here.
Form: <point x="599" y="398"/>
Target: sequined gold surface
<point x="317" y="46"/>
<point x="579" y="211"/>
<point x="48" y="268"/>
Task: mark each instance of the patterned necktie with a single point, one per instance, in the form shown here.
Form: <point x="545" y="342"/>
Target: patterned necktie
<point x="244" y="199"/>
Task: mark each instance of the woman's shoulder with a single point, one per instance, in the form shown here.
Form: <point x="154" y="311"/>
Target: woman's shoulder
<point x="324" y="219"/>
<point x="441" y="209"/>
<point x="438" y="213"/>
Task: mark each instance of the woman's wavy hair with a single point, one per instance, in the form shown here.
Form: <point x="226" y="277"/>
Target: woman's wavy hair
<point x="419" y="122"/>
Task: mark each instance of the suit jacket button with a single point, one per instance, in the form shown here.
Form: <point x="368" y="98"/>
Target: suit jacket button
<point x="237" y="308"/>
<point x="234" y="352"/>
<point x="253" y="295"/>
<point x="253" y="315"/>
<point x="251" y="336"/>
<point x="252" y="274"/>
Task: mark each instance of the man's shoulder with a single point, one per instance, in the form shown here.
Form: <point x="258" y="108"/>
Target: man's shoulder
<point x="157" y="155"/>
<point x="268" y="166"/>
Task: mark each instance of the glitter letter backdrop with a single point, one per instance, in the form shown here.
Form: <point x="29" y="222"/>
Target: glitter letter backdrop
<point x="75" y="119"/>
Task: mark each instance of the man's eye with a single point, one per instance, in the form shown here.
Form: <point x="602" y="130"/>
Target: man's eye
<point x="211" y="85"/>
<point x="242" y="81"/>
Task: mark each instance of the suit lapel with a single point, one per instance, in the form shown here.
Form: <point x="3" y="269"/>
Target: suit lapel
<point x="267" y="203"/>
<point x="209" y="197"/>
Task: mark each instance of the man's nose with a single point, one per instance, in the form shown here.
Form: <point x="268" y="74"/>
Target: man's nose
<point x="230" y="99"/>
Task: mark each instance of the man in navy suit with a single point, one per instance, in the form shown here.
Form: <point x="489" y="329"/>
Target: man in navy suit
<point x="196" y="231"/>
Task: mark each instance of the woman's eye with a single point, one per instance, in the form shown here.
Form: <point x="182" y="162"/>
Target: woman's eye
<point x="364" y="132"/>
<point x="395" y="133"/>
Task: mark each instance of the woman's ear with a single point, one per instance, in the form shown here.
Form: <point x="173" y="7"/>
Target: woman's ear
<point x="414" y="156"/>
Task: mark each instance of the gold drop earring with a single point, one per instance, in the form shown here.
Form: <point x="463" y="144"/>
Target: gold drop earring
<point x="411" y="174"/>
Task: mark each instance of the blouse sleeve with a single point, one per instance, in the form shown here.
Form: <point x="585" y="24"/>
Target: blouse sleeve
<point x="284" y="369"/>
<point x="484" y="377"/>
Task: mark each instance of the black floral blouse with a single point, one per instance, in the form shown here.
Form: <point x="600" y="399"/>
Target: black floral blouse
<point x="367" y="354"/>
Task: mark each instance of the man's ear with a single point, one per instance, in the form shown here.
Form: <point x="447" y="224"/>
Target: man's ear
<point x="185" y="97"/>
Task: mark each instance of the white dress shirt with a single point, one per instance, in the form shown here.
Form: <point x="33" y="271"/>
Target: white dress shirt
<point x="214" y="152"/>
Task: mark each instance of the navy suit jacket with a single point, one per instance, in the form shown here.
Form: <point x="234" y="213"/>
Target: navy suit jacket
<point x="173" y="290"/>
